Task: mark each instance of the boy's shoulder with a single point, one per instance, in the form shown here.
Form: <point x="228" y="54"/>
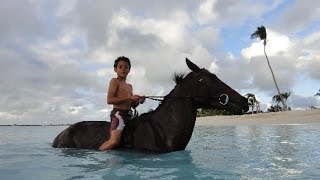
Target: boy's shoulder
<point x="116" y="81"/>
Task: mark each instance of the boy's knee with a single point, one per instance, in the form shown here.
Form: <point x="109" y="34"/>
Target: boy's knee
<point x="115" y="143"/>
<point x="111" y="144"/>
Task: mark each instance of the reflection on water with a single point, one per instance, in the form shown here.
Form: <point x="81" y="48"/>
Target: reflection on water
<point x="221" y="152"/>
<point x="262" y="151"/>
<point x="137" y="165"/>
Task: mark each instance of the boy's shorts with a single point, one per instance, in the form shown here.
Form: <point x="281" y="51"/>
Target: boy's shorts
<point x="119" y="118"/>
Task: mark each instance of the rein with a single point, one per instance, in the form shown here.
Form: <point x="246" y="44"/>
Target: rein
<point x="223" y="98"/>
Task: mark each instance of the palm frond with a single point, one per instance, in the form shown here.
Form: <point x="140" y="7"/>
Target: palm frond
<point x="276" y="98"/>
<point x="260" y="33"/>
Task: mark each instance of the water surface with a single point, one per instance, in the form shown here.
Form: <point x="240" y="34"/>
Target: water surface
<point x="218" y="152"/>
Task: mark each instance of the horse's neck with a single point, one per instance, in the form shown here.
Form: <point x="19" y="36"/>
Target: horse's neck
<point x="176" y="109"/>
<point x="169" y="127"/>
<point x="174" y="123"/>
<point x="177" y="106"/>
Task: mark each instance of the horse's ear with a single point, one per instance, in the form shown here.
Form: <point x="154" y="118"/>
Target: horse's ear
<point x="192" y="66"/>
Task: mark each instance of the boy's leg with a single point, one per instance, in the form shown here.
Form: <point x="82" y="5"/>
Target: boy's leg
<point x="116" y="128"/>
<point x="113" y="142"/>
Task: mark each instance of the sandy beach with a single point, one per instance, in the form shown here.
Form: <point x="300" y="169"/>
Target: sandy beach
<point x="288" y="117"/>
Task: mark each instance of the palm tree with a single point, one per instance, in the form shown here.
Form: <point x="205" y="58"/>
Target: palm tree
<point x="262" y="34"/>
<point x="275" y="108"/>
<point x="252" y="100"/>
<point x="257" y="106"/>
<point x="318" y="93"/>
<point x="283" y="96"/>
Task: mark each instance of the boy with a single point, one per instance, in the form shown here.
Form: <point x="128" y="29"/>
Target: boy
<point x="121" y="97"/>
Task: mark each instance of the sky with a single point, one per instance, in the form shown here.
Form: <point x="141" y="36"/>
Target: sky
<point x="56" y="57"/>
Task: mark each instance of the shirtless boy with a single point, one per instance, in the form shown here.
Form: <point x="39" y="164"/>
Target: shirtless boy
<point x="121" y="97"/>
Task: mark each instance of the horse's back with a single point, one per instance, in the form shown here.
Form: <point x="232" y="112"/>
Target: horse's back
<point x="84" y="135"/>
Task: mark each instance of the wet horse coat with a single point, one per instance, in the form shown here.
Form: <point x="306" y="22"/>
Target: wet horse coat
<point x="169" y="127"/>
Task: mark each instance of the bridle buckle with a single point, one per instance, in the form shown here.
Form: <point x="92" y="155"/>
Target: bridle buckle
<point x="225" y="101"/>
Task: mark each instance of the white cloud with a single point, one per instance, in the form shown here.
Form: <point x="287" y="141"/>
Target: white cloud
<point x="303" y="102"/>
<point x="298" y="16"/>
<point x="65" y="8"/>
<point x="276" y="44"/>
<point x="206" y="11"/>
<point x="309" y="57"/>
<point x="19" y="17"/>
<point x="56" y="57"/>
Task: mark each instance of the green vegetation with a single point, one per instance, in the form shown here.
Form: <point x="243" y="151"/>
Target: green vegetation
<point x="211" y="112"/>
<point x="312" y="107"/>
<point x="277" y="99"/>
<point x="253" y="102"/>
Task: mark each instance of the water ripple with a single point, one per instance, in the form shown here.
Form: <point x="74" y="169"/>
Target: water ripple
<point x="231" y="152"/>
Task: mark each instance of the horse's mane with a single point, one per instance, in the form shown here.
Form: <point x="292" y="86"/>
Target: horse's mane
<point x="177" y="78"/>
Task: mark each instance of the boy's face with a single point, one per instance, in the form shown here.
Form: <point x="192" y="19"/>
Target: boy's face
<point x="122" y="69"/>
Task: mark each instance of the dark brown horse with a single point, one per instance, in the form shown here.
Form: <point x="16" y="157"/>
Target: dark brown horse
<point x="169" y="127"/>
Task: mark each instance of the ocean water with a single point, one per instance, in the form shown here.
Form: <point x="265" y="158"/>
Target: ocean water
<point x="220" y="152"/>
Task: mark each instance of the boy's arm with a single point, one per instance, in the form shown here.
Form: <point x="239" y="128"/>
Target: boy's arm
<point x="140" y="100"/>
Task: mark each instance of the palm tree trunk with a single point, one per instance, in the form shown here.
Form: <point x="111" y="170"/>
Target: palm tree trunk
<point x="274" y="79"/>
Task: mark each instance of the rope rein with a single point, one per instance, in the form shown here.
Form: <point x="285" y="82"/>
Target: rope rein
<point x="223" y="98"/>
<point x="161" y="98"/>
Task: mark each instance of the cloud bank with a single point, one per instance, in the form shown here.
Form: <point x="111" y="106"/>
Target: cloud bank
<point x="56" y="58"/>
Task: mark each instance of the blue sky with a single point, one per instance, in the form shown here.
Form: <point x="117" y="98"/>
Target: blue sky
<point x="56" y="57"/>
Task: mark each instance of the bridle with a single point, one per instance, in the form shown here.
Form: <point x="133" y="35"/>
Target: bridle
<point x="223" y="99"/>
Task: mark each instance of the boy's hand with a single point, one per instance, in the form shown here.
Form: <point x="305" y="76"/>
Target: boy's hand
<point x="142" y="99"/>
<point x="134" y="98"/>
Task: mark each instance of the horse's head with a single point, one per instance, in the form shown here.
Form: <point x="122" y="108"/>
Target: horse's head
<point x="210" y="92"/>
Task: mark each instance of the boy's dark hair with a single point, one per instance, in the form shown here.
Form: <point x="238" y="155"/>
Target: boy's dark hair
<point x="122" y="58"/>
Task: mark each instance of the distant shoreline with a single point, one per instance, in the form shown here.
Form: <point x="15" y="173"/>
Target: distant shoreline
<point x="311" y="116"/>
<point x="37" y="125"/>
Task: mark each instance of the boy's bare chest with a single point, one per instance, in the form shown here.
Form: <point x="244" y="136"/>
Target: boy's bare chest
<point x="124" y="89"/>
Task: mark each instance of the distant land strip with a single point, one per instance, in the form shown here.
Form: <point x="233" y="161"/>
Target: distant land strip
<point x="36" y="125"/>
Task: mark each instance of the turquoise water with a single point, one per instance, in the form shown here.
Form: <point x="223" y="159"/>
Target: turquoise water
<point x="221" y="152"/>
